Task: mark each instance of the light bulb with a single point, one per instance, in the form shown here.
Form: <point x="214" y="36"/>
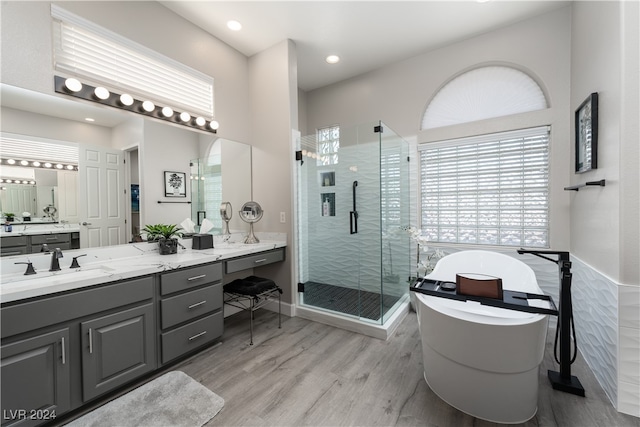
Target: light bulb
<point x="167" y="111"/>
<point x="185" y="117"/>
<point x="11" y="162"/>
<point x="47" y="165"/>
<point x="70" y="167"/>
<point x="148" y="106"/>
<point x="24" y="162"/>
<point x="36" y="164"/>
<point x="59" y="166"/>
<point x="200" y="121"/>
<point x="126" y="99"/>
<point x="214" y="125"/>
<point x="101" y="93"/>
<point x="73" y="85"/>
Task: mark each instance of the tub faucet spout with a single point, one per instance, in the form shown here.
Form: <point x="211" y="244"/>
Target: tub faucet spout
<point x="55" y="256"/>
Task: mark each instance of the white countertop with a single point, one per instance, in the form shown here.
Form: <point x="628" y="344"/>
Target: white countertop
<point x="112" y="263"/>
<point x="32" y="229"/>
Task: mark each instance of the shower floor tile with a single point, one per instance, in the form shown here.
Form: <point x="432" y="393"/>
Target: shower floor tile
<point x="347" y="300"/>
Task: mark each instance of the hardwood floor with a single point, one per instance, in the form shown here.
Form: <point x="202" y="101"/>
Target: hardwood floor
<point x="310" y="374"/>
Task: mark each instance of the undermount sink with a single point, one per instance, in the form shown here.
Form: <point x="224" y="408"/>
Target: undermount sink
<point x="67" y="273"/>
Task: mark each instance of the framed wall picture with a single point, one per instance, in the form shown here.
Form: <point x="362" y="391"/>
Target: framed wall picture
<point x="175" y="184"/>
<point x="587" y="134"/>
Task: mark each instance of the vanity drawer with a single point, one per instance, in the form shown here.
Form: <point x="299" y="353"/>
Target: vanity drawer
<point x="17" y="250"/>
<point x="255" y="260"/>
<point x="39" y="239"/>
<point x="54" y="245"/>
<point x="13" y="241"/>
<point x="187" y="278"/>
<point x="189" y="305"/>
<point x="191" y="336"/>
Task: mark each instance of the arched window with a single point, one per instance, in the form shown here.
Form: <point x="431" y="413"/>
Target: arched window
<point x="490" y="189"/>
<point x="483" y="93"/>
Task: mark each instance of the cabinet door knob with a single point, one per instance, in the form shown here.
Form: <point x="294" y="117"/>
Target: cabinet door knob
<point x="197" y="277"/>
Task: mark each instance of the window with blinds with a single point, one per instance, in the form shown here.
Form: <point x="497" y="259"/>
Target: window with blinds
<point x="84" y="49"/>
<point x="487" y="190"/>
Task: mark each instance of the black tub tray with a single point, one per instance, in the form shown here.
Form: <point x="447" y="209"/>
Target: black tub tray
<point x="511" y="300"/>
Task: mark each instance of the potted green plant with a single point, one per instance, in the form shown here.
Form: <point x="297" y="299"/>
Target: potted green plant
<point x="166" y="235"/>
<point x="9" y="216"/>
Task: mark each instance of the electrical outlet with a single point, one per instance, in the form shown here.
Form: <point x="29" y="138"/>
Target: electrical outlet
<point x="283" y="218"/>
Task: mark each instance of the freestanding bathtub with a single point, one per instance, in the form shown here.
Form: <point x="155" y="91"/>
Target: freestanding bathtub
<point x="479" y="359"/>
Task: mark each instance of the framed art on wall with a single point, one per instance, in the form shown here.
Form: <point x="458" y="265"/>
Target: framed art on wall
<point x="175" y="184"/>
<point x="587" y="134"/>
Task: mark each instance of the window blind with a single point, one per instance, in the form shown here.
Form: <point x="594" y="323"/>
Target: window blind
<point x="84" y="49"/>
<point x="488" y="190"/>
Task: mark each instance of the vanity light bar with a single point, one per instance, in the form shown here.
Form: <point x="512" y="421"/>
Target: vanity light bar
<point x="17" y="181"/>
<point x="38" y="164"/>
<point x="73" y="87"/>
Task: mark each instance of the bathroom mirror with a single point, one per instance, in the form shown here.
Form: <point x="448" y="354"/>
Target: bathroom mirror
<point x="223" y="175"/>
<point x="29" y="190"/>
<point x="58" y="117"/>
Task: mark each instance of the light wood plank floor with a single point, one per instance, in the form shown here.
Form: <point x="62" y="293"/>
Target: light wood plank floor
<point x="310" y="374"/>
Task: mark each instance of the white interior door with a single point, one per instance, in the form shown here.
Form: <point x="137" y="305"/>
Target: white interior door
<point x="101" y="197"/>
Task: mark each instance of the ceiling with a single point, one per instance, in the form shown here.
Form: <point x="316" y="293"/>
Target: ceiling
<point x="366" y="34"/>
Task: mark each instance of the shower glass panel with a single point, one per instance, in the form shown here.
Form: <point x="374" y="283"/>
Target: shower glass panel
<point x="206" y="191"/>
<point x="352" y="205"/>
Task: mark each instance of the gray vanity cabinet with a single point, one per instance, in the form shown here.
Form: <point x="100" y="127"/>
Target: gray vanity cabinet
<point x="190" y="309"/>
<point x="13" y="245"/>
<point x="36" y="381"/>
<point x="116" y="349"/>
<point x="61" y="351"/>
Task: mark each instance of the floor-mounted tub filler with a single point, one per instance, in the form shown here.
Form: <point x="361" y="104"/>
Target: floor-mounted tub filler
<point x="480" y="359"/>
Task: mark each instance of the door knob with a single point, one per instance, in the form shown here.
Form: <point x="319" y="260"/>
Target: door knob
<point x="86" y="223"/>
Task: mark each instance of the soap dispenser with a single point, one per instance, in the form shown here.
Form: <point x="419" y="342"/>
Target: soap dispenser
<point x="325" y="207"/>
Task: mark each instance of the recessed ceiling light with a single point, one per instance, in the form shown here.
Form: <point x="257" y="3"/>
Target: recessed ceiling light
<point x="234" y="25"/>
<point x="332" y="59"/>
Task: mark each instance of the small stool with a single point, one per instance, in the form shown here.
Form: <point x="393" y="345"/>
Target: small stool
<point x="252" y="293"/>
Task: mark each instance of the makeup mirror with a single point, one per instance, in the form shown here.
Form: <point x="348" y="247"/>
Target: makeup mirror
<point x="251" y="212"/>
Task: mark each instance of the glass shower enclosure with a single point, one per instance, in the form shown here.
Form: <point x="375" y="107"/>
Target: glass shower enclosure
<point x="352" y="210"/>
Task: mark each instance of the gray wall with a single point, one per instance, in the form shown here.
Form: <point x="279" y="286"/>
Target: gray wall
<point x="587" y="47"/>
<point x="255" y="99"/>
<point x="399" y="94"/>
<point x="605" y="221"/>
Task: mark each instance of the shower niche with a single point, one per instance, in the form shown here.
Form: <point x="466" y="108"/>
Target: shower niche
<point x="328" y="204"/>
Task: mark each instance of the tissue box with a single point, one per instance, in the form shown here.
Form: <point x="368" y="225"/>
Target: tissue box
<point x="202" y="241"/>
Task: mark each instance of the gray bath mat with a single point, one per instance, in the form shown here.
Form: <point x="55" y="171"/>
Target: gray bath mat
<point x="173" y="399"/>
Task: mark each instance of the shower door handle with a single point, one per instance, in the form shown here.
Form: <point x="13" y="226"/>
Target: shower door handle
<point x="353" y="215"/>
